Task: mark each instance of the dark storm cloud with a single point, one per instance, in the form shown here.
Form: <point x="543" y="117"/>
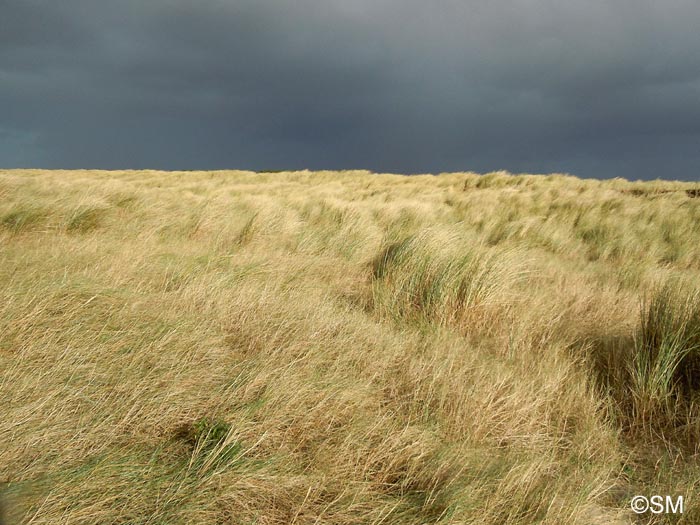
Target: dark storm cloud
<point x="598" y="89"/>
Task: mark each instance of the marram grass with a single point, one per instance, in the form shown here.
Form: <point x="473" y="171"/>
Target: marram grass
<point x="346" y="348"/>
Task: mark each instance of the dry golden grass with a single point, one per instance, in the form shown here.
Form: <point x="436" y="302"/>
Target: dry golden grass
<point x="346" y="348"/>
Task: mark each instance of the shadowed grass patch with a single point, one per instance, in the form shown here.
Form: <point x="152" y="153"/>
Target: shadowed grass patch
<point x="666" y="365"/>
<point x="85" y="218"/>
<point x="22" y="219"/>
<point x="653" y="374"/>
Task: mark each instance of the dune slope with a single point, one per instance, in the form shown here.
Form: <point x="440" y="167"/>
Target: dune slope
<point x="346" y="348"/>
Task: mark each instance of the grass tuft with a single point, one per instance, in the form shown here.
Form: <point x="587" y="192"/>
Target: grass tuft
<point x="22" y="219"/>
<point x="666" y="366"/>
<point x="427" y="278"/>
<point x="85" y="218"/>
<point x="246" y="233"/>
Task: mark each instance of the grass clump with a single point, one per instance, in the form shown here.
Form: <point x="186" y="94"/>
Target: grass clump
<point x="214" y="445"/>
<point x="209" y="433"/>
<point x="441" y="280"/>
<point x="652" y="373"/>
<point x="84" y="218"/>
<point x="666" y="365"/>
<point x="246" y="233"/>
<point x="22" y="219"/>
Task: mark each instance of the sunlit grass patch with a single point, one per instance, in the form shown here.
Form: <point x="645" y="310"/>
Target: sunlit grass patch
<point x="345" y="348"/>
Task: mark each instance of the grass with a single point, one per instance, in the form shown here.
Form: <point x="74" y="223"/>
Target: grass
<point x="17" y="220"/>
<point x="417" y="277"/>
<point x="667" y="351"/>
<point x="346" y="348"/>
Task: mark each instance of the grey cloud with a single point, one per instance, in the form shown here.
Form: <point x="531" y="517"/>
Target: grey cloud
<point x="598" y="89"/>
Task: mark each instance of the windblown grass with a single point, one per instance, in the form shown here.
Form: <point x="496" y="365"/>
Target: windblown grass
<point x="346" y="348"/>
<point x="441" y="279"/>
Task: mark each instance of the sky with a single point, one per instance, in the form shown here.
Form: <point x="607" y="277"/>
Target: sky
<point x="598" y="89"/>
